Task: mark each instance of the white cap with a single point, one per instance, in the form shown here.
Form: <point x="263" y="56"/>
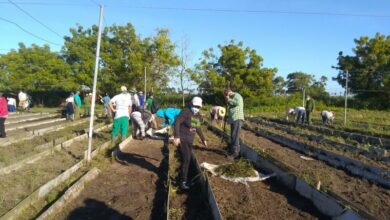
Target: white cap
<point x="123" y="88"/>
<point x="197" y="101"/>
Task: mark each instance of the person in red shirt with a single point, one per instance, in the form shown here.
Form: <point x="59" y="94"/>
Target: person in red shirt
<point x="3" y="114"/>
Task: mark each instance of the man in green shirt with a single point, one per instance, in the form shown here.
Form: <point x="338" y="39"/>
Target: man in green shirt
<point x="78" y="104"/>
<point x="309" y="109"/>
<point x="149" y="108"/>
<point x="235" y="113"/>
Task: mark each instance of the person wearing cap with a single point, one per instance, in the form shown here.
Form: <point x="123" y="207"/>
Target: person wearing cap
<point x="186" y="125"/>
<point x="235" y="112"/>
<point x="105" y="100"/>
<point x="69" y="107"/>
<point x="22" y="99"/>
<point x="309" y="109"/>
<point x="141" y="98"/>
<point x="134" y="97"/>
<point x="87" y="104"/>
<point x="217" y="113"/>
<point x="3" y="114"/>
<point x="120" y="105"/>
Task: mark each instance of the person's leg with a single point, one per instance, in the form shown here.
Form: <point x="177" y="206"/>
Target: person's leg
<point x="2" y="127"/>
<point x="236" y="137"/>
<point x="324" y="119"/>
<point x="185" y="150"/>
<point x="308" y="117"/>
<point x="115" y="128"/>
<point x="124" y="124"/>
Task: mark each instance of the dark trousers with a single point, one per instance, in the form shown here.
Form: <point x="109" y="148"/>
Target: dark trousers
<point x="2" y="127"/>
<point x="235" y="136"/>
<point x="185" y="150"/>
<point x="301" y="117"/>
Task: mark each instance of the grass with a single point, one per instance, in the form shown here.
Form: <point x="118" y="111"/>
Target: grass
<point x="239" y="168"/>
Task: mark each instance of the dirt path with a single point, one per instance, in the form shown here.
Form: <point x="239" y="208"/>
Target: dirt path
<point x="130" y="188"/>
<point x="369" y="197"/>
<point x="258" y="200"/>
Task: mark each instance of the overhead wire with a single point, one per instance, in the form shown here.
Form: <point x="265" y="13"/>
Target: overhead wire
<point x="28" y="32"/>
<point x="35" y="19"/>
<point x="210" y="9"/>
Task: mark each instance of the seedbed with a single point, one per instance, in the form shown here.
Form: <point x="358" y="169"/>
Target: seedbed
<point x="259" y="200"/>
<point x="339" y="144"/>
<point x="132" y="187"/>
<point x="360" y="193"/>
<point x="16" y="186"/>
<point x="361" y="136"/>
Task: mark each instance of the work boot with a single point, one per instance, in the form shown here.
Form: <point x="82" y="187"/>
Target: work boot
<point x="184" y="186"/>
<point x="233" y="156"/>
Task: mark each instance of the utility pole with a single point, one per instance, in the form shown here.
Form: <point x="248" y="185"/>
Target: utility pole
<point x="94" y="85"/>
<point x="346" y="100"/>
<point x="303" y="97"/>
<point x="145" y="88"/>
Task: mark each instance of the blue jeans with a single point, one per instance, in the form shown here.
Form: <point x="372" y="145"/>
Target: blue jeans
<point x="235" y="136"/>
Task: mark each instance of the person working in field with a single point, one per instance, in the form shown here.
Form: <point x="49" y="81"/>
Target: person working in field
<point x="140" y="119"/>
<point x="121" y="106"/>
<point x="217" y="113"/>
<point x="187" y="124"/>
<point x="327" y="117"/>
<point x="299" y="112"/>
<point x="11" y="104"/>
<point x="69" y="107"/>
<point x="309" y="109"/>
<point x="77" y="104"/>
<point x="235" y="111"/>
<point x="3" y="114"/>
<point x="22" y="100"/>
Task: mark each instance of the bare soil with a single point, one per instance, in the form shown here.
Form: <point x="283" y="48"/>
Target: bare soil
<point x="133" y="187"/>
<point x="16" y="186"/>
<point x="381" y="164"/>
<point x="258" y="200"/>
<point x="360" y="192"/>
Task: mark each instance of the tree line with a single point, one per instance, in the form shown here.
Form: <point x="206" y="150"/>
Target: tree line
<point x="125" y="54"/>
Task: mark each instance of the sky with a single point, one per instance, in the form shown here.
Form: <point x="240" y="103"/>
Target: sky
<point x="291" y="35"/>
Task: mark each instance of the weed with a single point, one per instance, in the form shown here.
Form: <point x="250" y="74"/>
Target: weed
<point x="239" y="168"/>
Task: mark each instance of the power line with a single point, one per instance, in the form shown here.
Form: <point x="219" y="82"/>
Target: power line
<point x="208" y="9"/>
<point x="32" y="17"/>
<point x="252" y="11"/>
<point x="28" y="32"/>
<point x="94" y="2"/>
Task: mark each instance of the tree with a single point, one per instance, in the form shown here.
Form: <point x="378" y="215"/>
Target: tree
<point x="279" y="85"/>
<point x="368" y="69"/>
<point x="297" y="81"/>
<point x="239" y="67"/>
<point x="34" y="69"/>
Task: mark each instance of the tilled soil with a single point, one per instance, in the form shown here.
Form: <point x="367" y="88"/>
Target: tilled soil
<point x="258" y="200"/>
<point x="328" y="147"/>
<point x="360" y="192"/>
<point x="27" y="123"/>
<point x="133" y="187"/>
<point x="22" y="149"/>
<point x="16" y="186"/>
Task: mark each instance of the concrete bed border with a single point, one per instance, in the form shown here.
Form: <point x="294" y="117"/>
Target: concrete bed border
<point x="376" y="153"/>
<point x="360" y="137"/>
<point x="30" y="119"/>
<point x="20" y="115"/>
<point x="337" y="208"/>
<point x="35" y="124"/>
<point x="70" y="193"/>
<point x="356" y="167"/>
<point x="46" y="188"/>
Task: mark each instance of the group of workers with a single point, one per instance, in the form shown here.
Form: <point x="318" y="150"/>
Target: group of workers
<point x="303" y="114"/>
<point x="186" y="123"/>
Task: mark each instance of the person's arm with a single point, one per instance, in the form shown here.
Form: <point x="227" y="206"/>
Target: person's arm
<point x="233" y="102"/>
<point x="176" y="131"/>
<point x="111" y="106"/>
<point x="200" y="133"/>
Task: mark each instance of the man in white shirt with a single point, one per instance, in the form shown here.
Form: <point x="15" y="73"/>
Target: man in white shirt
<point x="327" y="117"/>
<point x="299" y="112"/>
<point x="22" y="99"/>
<point x="122" y="109"/>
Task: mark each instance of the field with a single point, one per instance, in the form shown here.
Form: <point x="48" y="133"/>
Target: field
<point x="318" y="172"/>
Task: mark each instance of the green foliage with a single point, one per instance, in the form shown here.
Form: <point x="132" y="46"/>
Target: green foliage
<point x="239" y="168"/>
<point x="239" y="67"/>
<point x="34" y="69"/>
<point x="297" y="81"/>
<point x="369" y="70"/>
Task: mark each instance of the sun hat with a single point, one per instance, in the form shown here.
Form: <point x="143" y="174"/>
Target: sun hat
<point x="197" y="101"/>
